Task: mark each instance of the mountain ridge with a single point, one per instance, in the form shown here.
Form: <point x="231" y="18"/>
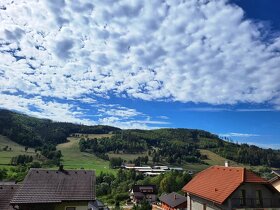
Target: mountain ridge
<point x="174" y="143"/>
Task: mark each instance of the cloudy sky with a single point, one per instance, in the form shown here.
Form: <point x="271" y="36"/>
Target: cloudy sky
<point x="207" y="64"/>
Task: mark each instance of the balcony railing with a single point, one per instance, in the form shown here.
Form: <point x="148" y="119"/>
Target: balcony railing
<point x="255" y="203"/>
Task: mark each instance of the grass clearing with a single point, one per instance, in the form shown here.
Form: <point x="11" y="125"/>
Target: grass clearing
<point x="127" y="157"/>
<point x="195" y="167"/>
<point x="16" y="149"/>
<point x="214" y="159"/>
<point x="73" y="158"/>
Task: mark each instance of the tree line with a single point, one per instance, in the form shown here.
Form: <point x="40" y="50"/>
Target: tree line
<point x="115" y="188"/>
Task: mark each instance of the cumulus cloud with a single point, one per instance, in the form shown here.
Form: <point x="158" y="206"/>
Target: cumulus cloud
<point x="63" y="47"/>
<point x="71" y="111"/>
<point x="175" y="50"/>
<point x="37" y="107"/>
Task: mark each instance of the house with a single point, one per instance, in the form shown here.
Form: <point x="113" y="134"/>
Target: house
<point x="139" y="193"/>
<point x="44" y="189"/>
<point x="7" y="191"/>
<point x="275" y="181"/>
<point x="221" y="187"/>
<point x="173" y="201"/>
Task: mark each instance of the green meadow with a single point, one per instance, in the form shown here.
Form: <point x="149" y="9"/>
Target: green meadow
<point x="16" y="149"/>
<point x="74" y="159"/>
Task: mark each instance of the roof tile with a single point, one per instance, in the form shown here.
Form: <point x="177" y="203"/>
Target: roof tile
<point x="173" y="199"/>
<point x="7" y="192"/>
<point x="51" y="186"/>
<point x="217" y="183"/>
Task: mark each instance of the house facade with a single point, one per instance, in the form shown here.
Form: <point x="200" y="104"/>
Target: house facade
<point x="56" y="190"/>
<point x="139" y="193"/>
<point x="173" y="201"/>
<point x="230" y="188"/>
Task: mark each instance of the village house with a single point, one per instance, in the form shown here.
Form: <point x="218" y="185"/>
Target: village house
<point x="44" y="189"/>
<point x="275" y="181"/>
<point x="224" y="187"/>
<point x="173" y="201"/>
<point x="139" y="193"/>
<point x="7" y="191"/>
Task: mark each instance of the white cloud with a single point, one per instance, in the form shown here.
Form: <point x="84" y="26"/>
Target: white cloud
<point x="37" y="107"/>
<point x="229" y="109"/>
<point x="107" y="114"/>
<point x="195" y="50"/>
<point x="244" y="135"/>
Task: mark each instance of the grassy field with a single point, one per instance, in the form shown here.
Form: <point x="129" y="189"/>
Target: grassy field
<point x="214" y="159"/>
<point x="127" y="157"/>
<point x="74" y="159"/>
<point x="16" y="149"/>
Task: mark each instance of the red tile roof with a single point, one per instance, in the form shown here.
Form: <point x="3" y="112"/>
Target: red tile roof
<point x="217" y="183"/>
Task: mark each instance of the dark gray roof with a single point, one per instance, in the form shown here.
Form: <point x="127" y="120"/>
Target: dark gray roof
<point x="144" y="188"/>
<point x="138" y="195"/>
<point x="52" y="186"/>
<point x="7" y="191"/>
<point x="173" y="199"/>
<point x="97" y="204"/>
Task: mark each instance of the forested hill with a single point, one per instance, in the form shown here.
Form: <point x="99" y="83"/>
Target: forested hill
<point x="34" y="132"/>
<point x="170" y="145"/>
<point x="178" y="146"/>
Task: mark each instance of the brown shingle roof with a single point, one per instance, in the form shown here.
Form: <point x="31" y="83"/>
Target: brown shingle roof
<point x="217" y="183"/>
<point x="144" y="188"/>
<point x="7" y="191"/>
<point x="51" y="186"/>
<point x="173" y="199"/>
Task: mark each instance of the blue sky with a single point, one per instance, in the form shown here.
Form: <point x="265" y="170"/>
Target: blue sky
<point x="211" y="65"/>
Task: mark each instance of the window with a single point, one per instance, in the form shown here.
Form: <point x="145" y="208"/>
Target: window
<point x="242" y="197"/>
<point x="259" y="199"/>
<point x="70" y="208"/>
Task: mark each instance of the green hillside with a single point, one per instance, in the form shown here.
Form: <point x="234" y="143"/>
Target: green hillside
<point x="16" y="149"/>
<point x="188" y="148"/>
<point x="72" y="158"/>
<point x="34" y="132"/>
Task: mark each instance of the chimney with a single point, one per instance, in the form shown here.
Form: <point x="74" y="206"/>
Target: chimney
<point x="226" y="163"/>
<point x="175" y="197"/>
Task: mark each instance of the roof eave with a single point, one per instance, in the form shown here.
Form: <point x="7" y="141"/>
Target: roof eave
<point x="214" y="201"/>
